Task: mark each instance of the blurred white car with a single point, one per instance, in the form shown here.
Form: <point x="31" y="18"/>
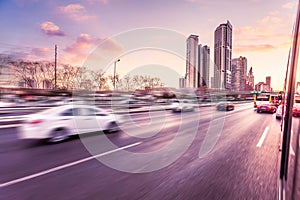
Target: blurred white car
<point x="182" y="106"/>
<point x="59" y="123"/>
<point x="279" y="112"/>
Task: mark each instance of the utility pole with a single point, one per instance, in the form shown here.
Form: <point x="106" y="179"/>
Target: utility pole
<point x="55" y="65"/>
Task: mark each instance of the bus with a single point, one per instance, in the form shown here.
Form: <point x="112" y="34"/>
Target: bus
<point x="267" y="97"/>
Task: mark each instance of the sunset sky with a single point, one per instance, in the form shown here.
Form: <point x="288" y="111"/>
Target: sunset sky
<point x="262" y="31"/>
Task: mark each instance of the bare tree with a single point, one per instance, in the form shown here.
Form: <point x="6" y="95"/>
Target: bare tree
<point x="128" y="83"/>
<point x="47" y="73"/>
<point x="112" y="79"/>
<point x="82" y="80"/>
<point x="41" y="75"/>
<point x="23" y="72"/>
<point x="66" y="76"/>
<point x="99" y="79"/>
<point x="138" y="81"/>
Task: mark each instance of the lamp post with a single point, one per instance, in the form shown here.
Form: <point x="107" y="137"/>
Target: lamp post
<point x="115" y="65"/>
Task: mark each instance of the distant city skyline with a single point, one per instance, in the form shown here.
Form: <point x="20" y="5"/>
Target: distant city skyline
<point x="197" y="73"/>
<point x="32" y="28"/>
<point x="264" y="86"/>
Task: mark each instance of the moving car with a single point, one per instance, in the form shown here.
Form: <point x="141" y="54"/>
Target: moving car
<point x="130" y="103"/>
<point x="296" y="110"/>
<point x="225" y="106"/>
<point x="279" y="112"/>
<point x="182" y="106"/>
<point x="269" y="108"/>
<point x="59" y="123"/>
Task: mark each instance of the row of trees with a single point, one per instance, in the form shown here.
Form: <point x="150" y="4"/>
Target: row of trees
<point x="40" y="74"/>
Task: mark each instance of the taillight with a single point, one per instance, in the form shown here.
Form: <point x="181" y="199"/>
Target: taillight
<point x="36" y="121"/>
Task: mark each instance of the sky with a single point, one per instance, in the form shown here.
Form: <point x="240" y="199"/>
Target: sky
<point x="141" y="34"/>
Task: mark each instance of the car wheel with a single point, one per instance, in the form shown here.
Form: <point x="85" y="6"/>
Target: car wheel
<point x="258" y="111"/>
<point x="58" y="135"/>
<point x="112" y="127"/>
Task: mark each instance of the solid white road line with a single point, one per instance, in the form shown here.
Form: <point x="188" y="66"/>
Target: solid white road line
<point x="292" y="152"/>
<point x="260" y="142"/>
<point x="64" y="166"/>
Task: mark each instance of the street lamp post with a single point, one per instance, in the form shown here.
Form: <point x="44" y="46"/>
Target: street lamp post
<point x="115" y="65"/>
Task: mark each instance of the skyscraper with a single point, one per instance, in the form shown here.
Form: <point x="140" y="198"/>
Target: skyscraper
<point x="204" y="66"/>
<point x="250" y="80"/>
<point x="222" y="56"/>
<point x="191" y="75"/>
<point x="239" y="74"/>
<point x="268" y="83"/>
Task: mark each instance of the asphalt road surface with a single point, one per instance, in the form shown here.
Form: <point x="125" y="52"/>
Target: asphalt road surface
<point x="205" y="154"/>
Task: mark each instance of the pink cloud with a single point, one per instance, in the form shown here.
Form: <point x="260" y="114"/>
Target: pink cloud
<point x="83" y="43"/>
<point x="253" y="48"/>
<point x="35" y="54"/>
<point x="274" y="12"/>
<point x="50" y="29"/>
<point x="289" y="5"/>
<point x="270" y="19"/>
<point x="100" y="1"/>
<point x="41" y="52"/>
<point x="269" y="29"/>
<point x="253" y="33"/>
<point x="78" y="51"/>
<point x="76" y="12"/>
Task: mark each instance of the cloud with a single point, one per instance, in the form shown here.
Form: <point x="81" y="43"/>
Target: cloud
<point x="274" y="12"/>
<point x="289" y="5"/>
<point x="266" y="35"/>
<point x="41" y="52"/>
<point x="104" y="2"/>
<point x="268" y="30"/>
<point x="34" y="54"/>
<point x="270" y="19"/>
<point x="253" y="48"/>
<point x="254" y="33"/>
<point x="50" y="29"/>
<point x="83" y="43"/>
<point x="76" y="12"/>
<point x="78" y="51"/>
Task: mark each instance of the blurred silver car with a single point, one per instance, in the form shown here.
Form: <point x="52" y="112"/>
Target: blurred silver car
<point x="59" y="123"/>
<point x="182" y="106"/>
<point x="227" y="106"/>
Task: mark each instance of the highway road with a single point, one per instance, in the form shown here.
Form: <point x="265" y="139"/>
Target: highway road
<point x="205" y="154"/>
